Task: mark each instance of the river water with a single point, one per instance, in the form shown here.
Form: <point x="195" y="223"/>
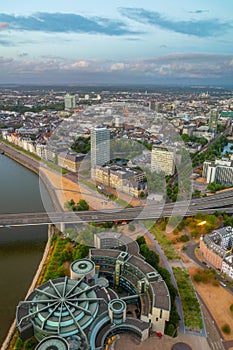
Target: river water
<point x="21" y="248"/>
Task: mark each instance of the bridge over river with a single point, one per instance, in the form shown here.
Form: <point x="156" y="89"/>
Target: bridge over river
<point x="208" y="205"/>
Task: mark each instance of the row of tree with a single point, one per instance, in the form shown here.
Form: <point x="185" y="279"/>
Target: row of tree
<point x="153" y="259"/>
<point x="214" y="151"/>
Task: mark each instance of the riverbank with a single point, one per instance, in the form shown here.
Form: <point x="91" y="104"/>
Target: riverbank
<point x="31" y="288"/>
<point x="60" y="188"/>
<point x="34" y="166"/>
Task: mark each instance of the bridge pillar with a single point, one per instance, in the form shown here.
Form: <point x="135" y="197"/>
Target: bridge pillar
<point x="62" y="226"/>
<point x="51" y="230"/>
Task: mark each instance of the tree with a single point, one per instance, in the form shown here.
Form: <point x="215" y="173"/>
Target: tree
<point x="107" y="224"/>
<point x="196" y="194"/>
<point x="142" y="195"/>
<point x="197" y="277"/>
<point x="226" y="328"/>
<point x="144" y="249"/>
<point x="170" y="329"/>
<point x="82" y="145"/>
<point x="184" y="238"/>
<point x="152" y="258"/>
<point x="80" y="252"/>
<point x="18" y="344"/>
<point x="213" y="187"/>
<point x="82" y="205"/>
<point x="141" y="240"/>
<point x="66" y="255"/>
<point x="70" y="205"/>
<point x="29" y="344"/>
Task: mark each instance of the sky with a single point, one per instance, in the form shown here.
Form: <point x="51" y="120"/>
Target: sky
<point x="116" y="42"/>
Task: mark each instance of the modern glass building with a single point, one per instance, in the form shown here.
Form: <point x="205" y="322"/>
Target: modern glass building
<point x="89" y="308"/>
<point x="100" y="146"/>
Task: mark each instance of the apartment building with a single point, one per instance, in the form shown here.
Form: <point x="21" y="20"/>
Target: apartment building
<point x="216" y="249"/>
<point x="70" y="160"/>
<point x="122" y="178"/>
<point x="163" y="160"/>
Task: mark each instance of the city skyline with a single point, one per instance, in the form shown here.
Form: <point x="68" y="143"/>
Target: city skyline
<point x="113" y="43"/>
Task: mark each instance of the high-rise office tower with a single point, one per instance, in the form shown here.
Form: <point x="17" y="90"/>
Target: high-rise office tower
<point x="213" y="121"/>
<point x="100" y="146"/>
<point x="70" y="101"/>
<point x="163" y="160"/>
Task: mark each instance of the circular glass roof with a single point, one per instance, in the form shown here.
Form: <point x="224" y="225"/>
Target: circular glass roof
<point x="63" y="306"/>
<point x="117" y="305"/>
<point x="53" y="343"/>
<point x="83" y="266"/>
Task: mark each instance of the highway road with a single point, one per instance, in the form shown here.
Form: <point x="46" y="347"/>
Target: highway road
<point x="208" y="205"/>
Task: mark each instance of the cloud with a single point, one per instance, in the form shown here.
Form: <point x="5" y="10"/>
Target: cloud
<point x="76" y="65"/>
<point x="66" y="23"/>
<point x="176" y="67"/>
<point x="118" y="66"/>
<point x="199" y="28"/>
<point x="198" y="66"/>
<point x="6" y="61"/>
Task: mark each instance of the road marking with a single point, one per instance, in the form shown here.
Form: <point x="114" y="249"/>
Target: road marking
<point x="216" y="345"/>
<point x="212" y="345"/>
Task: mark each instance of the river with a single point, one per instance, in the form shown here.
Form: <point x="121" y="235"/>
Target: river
<point x="21" y="248"/>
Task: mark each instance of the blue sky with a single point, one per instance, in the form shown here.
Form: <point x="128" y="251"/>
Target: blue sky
<point x="114" y="42"/>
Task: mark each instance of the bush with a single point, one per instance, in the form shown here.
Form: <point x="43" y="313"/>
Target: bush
<point x="176" y="231"/>
<point x="18" y="344"/>
<point x="231" y="308"/>
<point x="29" y="344"/>
<point x="170" y="329"/>
<point x="152" y="258"/>
<point x="216" y="283"/>
<point x="226" y="328"/>
<point x="184" y="238"/>
<point x="141" y="240"/>
<point x="107" y="224"/>
<point x="194" y="233"/>
<point x="144" y="249"/>
<point x="163" y="225"/>
<point x="82" y="205"/>
<point x="197" y="277"/>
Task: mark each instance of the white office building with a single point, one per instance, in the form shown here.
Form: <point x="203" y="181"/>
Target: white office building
<point x="220" y="171"/>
